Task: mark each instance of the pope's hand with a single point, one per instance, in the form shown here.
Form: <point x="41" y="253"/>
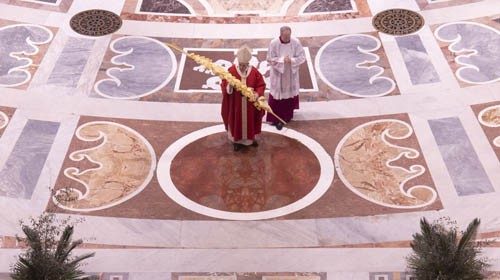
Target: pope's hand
<point x="253" y="97"/>
<point x="263" y="104"/>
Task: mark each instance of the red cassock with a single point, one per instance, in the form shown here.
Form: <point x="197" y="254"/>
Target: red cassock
<point x="240" y="116"/>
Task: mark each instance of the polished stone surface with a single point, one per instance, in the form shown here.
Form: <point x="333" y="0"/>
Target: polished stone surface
<point x="417" y="60"/>
<point x="318" y="6"/>
<point x="125" y="134"/>
<point x="255" y="179"/>
<point x="16" y="39"/>
<point x="484" y="41"/>
<point x="70" y="64"/>
<point x="142" y="66"/>
<point x="460" y="158"/>
<point x="350" y="77"/>
<point x="20" y="174"/>
<point x="164" y="6"/>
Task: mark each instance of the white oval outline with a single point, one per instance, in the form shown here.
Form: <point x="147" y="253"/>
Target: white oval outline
<point x="165" y="180"/>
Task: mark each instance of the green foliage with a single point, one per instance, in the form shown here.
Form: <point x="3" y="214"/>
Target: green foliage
<point x="48" y="256"/>
<point x="441" y="253"/>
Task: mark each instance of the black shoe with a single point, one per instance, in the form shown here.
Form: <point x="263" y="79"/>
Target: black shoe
<point x="279" y="126"/>
<point x="236" y="147"/>
<point x="255" y="144"/>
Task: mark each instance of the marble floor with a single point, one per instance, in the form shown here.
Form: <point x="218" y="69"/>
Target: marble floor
<point x="125" y="133"/>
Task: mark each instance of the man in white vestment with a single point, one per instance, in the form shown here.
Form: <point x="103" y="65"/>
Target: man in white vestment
<point x="285" y="55"/>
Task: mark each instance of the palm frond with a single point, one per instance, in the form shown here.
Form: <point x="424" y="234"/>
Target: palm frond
<point x="438" y="253"/>
<point x="48" y="253"/>
<point x="469" y="234"/>
<point x="63" y="243"/>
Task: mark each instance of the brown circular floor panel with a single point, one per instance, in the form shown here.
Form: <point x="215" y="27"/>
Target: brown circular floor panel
<point x="96" y="22"/>
<point x="398" y="21"/>
<point x="277" y="173"/>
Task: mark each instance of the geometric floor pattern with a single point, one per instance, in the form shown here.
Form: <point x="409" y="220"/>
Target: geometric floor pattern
<point x="125" y="133"/>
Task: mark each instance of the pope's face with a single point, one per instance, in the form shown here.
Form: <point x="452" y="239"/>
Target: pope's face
<point x="243" y="67"/>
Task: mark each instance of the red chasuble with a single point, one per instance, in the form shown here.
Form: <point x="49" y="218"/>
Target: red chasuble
<point x="240" y="116"/>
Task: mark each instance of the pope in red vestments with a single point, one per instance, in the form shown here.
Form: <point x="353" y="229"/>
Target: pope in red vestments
<point x="242" y="120"/>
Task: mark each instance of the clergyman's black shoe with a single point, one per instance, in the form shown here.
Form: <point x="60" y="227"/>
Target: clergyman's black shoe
<point x="236" y="147"/>
<point x="255" y="144"/>
<point x="279" y="125"/>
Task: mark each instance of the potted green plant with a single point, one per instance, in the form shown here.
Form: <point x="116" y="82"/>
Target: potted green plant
<point x="48" y="255"/>
<point x="441" y="252"/>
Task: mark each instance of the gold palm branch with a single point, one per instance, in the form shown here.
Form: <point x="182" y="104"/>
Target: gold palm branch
<point x="259" y="103"/>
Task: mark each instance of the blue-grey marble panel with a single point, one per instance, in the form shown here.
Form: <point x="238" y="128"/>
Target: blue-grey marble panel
<point x="324" y="6"/>
<point x="477" y="50"/>
<point x="164" y="6"/>
<point x="70" y="64"/>
<point x="417" y="61"/>
<point x="20" y="174"/>
<point x="145" y="66"/>
<point x="342" y="64"/>
<point x="460" y="158"/>
<point x="14" y="40"/>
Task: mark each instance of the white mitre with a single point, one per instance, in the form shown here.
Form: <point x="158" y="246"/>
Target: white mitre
<point x="244" y="54"/>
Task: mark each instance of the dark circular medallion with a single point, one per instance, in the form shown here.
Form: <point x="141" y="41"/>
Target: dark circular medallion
<point x="95" y="22"/>
<point x="398" y="21"/>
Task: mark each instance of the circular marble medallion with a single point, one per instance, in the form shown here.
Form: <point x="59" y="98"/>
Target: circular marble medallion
<point x="287" y="172"/>
<point x="398" y="21"/>
<point x="95" y="22"/>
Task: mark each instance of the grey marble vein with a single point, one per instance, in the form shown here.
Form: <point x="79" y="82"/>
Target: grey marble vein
<point x="417" y="61"/>
<point x="338" y="63"/>
<point x="17" y="39"/>
<point x="460" y="158"/>
<point x="48" y="1"/>
<point x="207" y="234"/>
<point x="152" y="66"/>
<point x="19" y="175"/>
<point x="321" y="6"/>
<point x="482" y="67"/>
<point x="164" y="6"/>
<point x="70" y="64"/>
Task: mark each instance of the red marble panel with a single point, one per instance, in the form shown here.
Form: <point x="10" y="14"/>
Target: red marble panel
<point x="338" y="201"/>
<point x="256" y="179"/>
